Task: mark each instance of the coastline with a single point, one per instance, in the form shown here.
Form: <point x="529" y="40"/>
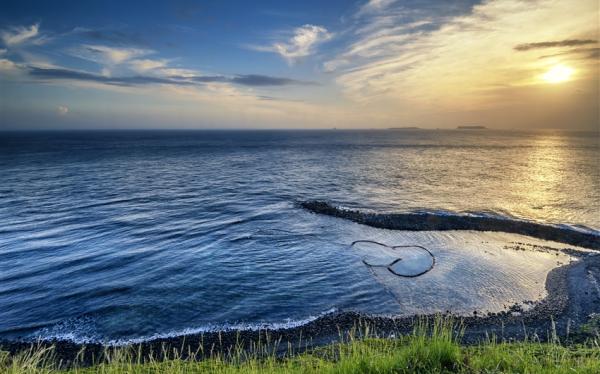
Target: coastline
<point x="436" y="222"/>
<point x="561" y="312"/>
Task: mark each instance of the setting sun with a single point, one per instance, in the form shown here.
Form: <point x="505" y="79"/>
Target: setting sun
<point x="558" y="74"/>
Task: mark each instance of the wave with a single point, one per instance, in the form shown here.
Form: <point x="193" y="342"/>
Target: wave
<point x="433" y="220"/>
<point x="82" y="330"/>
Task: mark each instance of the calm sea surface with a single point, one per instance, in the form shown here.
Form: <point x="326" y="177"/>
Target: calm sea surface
<point x="121" y="235"/>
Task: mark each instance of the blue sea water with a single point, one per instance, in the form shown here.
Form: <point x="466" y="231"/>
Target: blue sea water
<point x="132" y="234"/>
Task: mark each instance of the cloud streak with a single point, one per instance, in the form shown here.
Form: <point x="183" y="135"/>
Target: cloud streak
<point x="392" y="62"/>
<point x="586" y="53"/>
<point x="463" y="67"/>
<point x="109" y="55"/>
<point x="553" y="44"/>
<point x="373" y="6"/>
<point x="252" y="80"/>
<point x="256" y="80"/>
<point x="19" y="35"/>
<point x="302" y="44"/>
<point x="67" y="74"/>
<point x="144" y="65"/>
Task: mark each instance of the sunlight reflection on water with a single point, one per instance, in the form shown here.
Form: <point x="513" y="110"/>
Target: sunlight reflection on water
<point x="131" y="234"/>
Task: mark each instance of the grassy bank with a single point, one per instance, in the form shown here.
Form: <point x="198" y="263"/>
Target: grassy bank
<point x="429" y="349"/>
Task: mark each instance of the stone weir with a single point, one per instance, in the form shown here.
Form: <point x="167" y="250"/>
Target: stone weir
<point x="441" y="222"/>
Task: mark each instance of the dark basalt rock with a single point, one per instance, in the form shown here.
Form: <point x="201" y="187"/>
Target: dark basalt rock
<point x="431" y="222"/>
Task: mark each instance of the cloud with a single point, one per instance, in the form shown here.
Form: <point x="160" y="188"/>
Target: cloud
<point x="19" y="35"/>
<point x="253" y="80"/>
<point x="62" y="110"/>
<point x="109" y="55"/>
<point x="333" y="65"/>
<point x="303" y="43"/>
<point x="552" y="44"/>
<point x="381" y="28"/>
<point x="67" y="74"/>
<point x="134" y="69"/>
<point x="464" y="56"/>
<point x="463" y="66"/>
<point x="209" y="79"/>
<point x="265" y="80"/>
<point x="180" y="72"/>
<point x="7" y="65"/>
<point x="374" y="6"/>
<point x="144" y="65"/>
<point x="586" y="53"/>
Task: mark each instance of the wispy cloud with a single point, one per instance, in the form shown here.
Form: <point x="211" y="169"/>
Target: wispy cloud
<point x="585" y="53"/>
<point x="75" y="75"/>
<point x="252" y="80"/>
<point x="554" y="44"/>
<point x="19" y="35"/>
<point x="126" y="66"/>
<point x="373" y="6"/>
<point x="452" y="63"/>
<point x="303" y="43"/>
<point x="7" y="65"/>
<point x="265" y="80"/>
<point x="381" y="29"/>
<point x="109" y="55"/>
<point x="145" y="65"/>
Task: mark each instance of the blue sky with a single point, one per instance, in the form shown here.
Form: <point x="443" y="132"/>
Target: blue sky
<point x="274" y="64"/>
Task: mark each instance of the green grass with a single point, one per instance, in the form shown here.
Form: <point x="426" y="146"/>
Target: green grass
<point x="431" y="348"/>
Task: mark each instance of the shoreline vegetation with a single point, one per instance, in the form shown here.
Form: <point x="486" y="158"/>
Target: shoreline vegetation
<point x="433" y="346"/>
<point x="558" y="334"/>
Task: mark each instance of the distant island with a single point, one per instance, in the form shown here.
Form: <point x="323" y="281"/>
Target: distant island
<point x="405" y="128"/>
<point x="471" y="127"/>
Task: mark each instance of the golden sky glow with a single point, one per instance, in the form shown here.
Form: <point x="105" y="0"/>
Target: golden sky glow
<point x="484" y="67"/>
<point x="500" y="63"/>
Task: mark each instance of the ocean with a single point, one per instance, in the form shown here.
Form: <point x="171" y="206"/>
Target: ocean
<point x="119" y="236"/>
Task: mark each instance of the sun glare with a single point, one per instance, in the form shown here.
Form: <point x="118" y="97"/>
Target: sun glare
<point x="558" y="74"/>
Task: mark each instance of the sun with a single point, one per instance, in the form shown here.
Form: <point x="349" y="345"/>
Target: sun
<point x="558" y="74"/>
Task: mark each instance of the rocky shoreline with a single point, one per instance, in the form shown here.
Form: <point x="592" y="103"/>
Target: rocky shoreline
<point x="565" y="308"/>
<point x="435" y="222"/>
<point x="573" y="298"/>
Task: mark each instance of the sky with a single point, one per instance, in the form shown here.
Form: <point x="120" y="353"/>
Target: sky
<point x="518" y="64"/>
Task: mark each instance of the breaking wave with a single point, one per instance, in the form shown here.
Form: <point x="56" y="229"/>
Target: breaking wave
<point x="82" y="330"/>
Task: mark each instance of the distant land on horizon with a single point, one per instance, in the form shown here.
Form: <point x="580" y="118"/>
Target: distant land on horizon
<point x="471" y="128"/>
<point x="184" y="129"/>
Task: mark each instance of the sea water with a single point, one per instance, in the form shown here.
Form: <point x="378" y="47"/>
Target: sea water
<point x="125" y="235"/>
